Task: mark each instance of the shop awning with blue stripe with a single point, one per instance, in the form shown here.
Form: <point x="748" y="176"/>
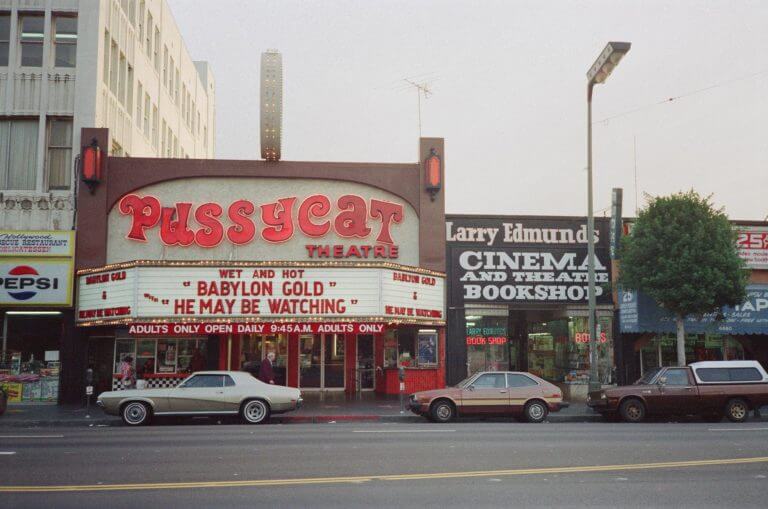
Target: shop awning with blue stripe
<point x="638" y="313"/>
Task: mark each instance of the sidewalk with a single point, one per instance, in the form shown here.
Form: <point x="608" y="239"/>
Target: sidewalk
<point x="318" y="408"/>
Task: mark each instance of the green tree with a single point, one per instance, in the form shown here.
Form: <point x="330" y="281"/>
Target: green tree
<point x="682" y="253"/>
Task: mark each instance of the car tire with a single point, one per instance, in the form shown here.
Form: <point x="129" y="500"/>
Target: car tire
<point x="737" y="410"/>
<point x="255" y="411"/>
<point x="535" y="411"/>
<point x="442" y="411"/>
<point x="632" y="410"/>
<point x="136" y="413"/>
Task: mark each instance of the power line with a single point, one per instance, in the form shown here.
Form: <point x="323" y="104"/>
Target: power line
<point x="675" y="98"/>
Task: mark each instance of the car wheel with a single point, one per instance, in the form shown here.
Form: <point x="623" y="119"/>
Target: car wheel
<point x="136" y="413"/>
<point x="536" y="411"/>
<point x="255" y="411"/>
<point x="737" y="410"/>
<point x="442" y="411"/>
<point x="632" y="410"/>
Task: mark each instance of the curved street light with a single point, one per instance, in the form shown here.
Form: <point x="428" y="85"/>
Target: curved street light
<point x="605" y="64"/>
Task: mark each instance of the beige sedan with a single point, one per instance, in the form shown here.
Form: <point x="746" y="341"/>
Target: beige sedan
<point x="204" y="393"/>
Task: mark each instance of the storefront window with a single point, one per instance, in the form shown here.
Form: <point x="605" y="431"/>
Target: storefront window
<point x="661" y="350"/>
<point x="487" y="339"/>
<point x="410" y="347"/>
<point x="162" y="356"/>
<point x="558" y="350"/>
<point x="390" y="348"/>
<point x="255" y="348"/>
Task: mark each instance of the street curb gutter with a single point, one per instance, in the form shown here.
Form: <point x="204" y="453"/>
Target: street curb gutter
<point x="288" y="419"/>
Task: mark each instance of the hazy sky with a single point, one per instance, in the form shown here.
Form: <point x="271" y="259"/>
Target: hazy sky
<point x="508" y="82"/>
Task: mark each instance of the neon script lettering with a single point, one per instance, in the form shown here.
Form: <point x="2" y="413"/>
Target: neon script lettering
<point x="209" y="224"/>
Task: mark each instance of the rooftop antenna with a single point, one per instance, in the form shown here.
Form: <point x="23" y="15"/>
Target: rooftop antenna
<point x="421" y="88"/>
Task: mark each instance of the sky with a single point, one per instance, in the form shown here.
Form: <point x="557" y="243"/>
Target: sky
<point x="508" y="94"/>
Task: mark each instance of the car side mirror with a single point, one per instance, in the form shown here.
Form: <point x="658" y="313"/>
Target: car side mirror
<point x="471" y="387"/>
<point x="662" y="380"/>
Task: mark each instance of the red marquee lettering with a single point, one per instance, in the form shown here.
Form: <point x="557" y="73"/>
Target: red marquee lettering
<point x="315" y="206"/>
<point x="279" y="218"/>
<point x="243" y="230"/>
<point x="388" y="212"/>
<point x="145" y="213"/>
<point x="351" y="221"/>
<point x="212" y="232"/>
<point x="176" y="231"/>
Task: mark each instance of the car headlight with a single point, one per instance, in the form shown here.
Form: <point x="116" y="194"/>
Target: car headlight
<point x="603" y="396"/>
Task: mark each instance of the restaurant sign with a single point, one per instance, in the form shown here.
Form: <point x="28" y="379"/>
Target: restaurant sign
<point x="525" y="260"/>
<point x="259" y="292"/>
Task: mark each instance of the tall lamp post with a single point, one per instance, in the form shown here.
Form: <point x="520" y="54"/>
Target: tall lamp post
<point x="598" y="73"/>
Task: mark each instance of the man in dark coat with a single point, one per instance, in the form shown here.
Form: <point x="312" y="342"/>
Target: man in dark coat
<point x="267" y="373"/>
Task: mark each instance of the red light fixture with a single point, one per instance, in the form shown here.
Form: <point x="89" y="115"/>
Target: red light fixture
<point x="90" y="165"/>
<point x="433" y="174"/>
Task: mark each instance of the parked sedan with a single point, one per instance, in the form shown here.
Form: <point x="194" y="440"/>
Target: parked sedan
<point x="515" y="394"/>
<point x="204" y="393"/>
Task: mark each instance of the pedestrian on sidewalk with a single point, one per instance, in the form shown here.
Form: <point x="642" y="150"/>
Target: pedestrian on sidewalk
<point x="127" y="373"/>
<point x="266" y="372"/>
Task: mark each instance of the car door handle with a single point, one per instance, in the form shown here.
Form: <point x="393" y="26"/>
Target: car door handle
<point x="219" y="392"/>
<point x="503" y="392"/>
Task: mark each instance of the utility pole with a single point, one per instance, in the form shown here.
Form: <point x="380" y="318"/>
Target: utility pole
<point x="421" y="88"/>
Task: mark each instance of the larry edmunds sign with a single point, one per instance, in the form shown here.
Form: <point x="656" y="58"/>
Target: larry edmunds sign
<point x="525" y="259"/>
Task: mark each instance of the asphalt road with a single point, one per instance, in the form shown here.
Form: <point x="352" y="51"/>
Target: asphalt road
<point x="467" y="464"/>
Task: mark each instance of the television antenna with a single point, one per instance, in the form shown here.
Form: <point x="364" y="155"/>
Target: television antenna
<point x="421" y="88"/>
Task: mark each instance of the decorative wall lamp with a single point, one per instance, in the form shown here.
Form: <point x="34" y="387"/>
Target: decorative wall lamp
<point x="433" y="174"/>
<point x="90" y="165"/>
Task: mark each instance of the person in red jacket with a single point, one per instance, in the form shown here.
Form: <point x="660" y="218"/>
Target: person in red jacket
<point x="267" y="372"/>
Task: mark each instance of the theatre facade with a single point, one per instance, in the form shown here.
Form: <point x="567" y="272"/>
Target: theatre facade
<point x="517" y="298"/>
<point x="337" y="268"/>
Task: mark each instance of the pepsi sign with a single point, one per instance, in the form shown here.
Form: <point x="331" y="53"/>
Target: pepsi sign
<point x="28" y="282"/>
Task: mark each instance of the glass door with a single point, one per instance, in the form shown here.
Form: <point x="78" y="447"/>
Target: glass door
<point x="333" y="365"/>
<point x="321" y="361"/>
<point x="365" y="368"/>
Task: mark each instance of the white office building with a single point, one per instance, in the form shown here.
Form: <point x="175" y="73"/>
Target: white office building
<point x="68" y="64"/>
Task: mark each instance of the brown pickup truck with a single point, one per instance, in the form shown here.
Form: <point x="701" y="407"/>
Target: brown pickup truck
<point x="711" y="389"/>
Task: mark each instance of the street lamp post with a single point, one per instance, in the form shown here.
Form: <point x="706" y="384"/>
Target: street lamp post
<point x="598" y="73"/>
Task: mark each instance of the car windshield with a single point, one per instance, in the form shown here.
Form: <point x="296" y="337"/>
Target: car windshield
<point x="465" y="382"/>
<point x="648" y="377"/>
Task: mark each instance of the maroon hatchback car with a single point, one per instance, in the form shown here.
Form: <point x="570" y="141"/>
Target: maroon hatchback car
<point x="497" y="393"/>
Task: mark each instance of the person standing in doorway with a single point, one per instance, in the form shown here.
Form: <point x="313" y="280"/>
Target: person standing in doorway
<point x="267" y="372"/>
<point x="127" y="373"/>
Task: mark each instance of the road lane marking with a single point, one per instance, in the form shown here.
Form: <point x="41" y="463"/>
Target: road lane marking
<point x="404" y="431"/>
<point x="361" y="479"/>
<point x="738" y="429"/>
<point x="31" y="436"/>
<point x="7" y="453"/>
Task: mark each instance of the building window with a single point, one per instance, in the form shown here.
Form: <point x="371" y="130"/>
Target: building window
<point x="162" y="143"/>
<point x="122" y="79"/>
<point x="5" y="38"/>
<point x="32" y="37"/>
<point x="59" y="153"/>
<point x="146" y="114"/>
<point x="155" y="127"/>
<point x="65" y="40"/>
<point x="148" y="35"/>
<point x="176" y="88"/>
<point x="105" y="72"/>
<point x="129" y="92"/>
<point x="18" y="154"/>
<point x="156" y="56"/>
<point x="165" y="66"/>
<point x="142" y="8"/>
<point x="139" y="103"/>
<point x="113" y="68"/>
